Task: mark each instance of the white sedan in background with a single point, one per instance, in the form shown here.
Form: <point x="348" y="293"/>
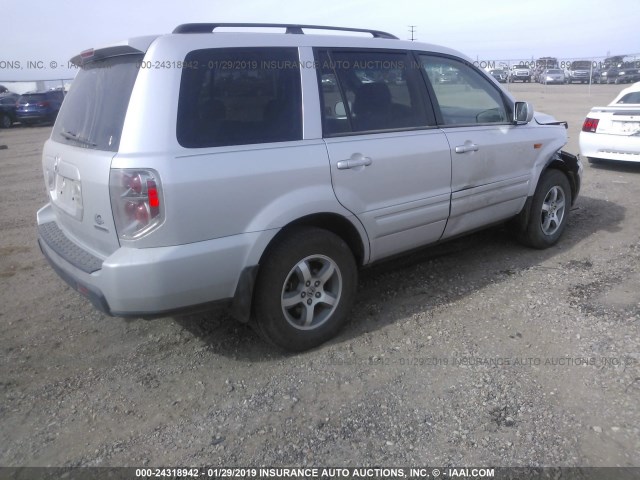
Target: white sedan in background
<point x="553" y="75"/>
<point x="613" y="132"/>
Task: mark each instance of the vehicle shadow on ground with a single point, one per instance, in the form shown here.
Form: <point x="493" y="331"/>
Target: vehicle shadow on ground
<point x="386" y="291"/>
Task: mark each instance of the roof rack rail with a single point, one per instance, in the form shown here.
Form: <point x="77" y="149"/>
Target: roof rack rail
<point x="290" y="28"/>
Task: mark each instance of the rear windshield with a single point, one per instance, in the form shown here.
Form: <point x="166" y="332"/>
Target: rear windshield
<point x="633" y="98"/>
<point x="32" y="98"/>
<point x="93" y="111"/>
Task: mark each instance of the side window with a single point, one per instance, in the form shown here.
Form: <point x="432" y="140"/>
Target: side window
<point x="239" y="96"/>
<point x="464" y="96"/>
<point x="368" y="91"/>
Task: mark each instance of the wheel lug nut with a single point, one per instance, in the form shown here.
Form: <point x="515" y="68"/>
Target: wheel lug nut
<point x="308" y="283"/>
<point x="317" y="284"/>
<point x="317" y="294"/>
<point x="303" y="294"/>
<point x="309" y="302"/>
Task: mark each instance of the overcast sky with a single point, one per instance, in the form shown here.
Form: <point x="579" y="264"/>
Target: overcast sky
<point x="46" y="31"/>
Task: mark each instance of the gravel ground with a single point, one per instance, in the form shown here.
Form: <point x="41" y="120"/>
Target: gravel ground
<point x="476" y="352"/>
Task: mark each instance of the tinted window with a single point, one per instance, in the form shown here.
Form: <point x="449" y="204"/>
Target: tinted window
<point x="364" y="91"/>
<point x="236" y="96"/>
<point x="32" y="98"/>
<point x="92" y="114"/>
<point x="463" y="94"/>
<point x="56" y="95"/>
<point x="633" y="97"/>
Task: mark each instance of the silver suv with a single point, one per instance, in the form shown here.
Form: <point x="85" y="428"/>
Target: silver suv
<point x="265" y="169"/>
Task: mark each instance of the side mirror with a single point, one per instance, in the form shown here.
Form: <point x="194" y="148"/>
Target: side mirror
<point x="522" y="113"/>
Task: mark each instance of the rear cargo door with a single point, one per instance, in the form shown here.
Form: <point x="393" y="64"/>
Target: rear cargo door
<point x="77" y="158"/>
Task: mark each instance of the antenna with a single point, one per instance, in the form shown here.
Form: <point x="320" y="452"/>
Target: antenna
<point x="412" y="29"/>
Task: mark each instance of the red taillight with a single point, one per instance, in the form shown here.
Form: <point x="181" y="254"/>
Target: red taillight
<point x="590" y="124"/>
<point x="43" y="104"/>
<point x="152" y="192"/>
<point x="136" y="199"/>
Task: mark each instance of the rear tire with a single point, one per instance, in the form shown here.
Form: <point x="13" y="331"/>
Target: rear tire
<point x="5" y="121"/>
<point x="549" y="210"/>
<point x="305" y="289"/>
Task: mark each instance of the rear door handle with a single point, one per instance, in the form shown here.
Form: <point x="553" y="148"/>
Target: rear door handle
<point x="467" y="147"/>
<point x="355" y="161"/>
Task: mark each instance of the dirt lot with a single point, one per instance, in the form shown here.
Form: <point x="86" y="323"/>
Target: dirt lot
<point x="477" y="352"/>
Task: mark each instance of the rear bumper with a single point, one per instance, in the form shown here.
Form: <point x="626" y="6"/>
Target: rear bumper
<point x="151" y="281"/>
<point x="33" y="116"/>
<point x="94" y="295"/>
<point x="610" y="147"/>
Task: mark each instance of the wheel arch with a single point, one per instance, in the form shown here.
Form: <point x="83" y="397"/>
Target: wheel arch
<point x="353" y="236"/>
<point x="350" y="231"/>
<point x="566" y="163"/>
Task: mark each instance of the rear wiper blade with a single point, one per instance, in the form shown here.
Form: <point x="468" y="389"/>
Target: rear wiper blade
<point x="76" y="138"/>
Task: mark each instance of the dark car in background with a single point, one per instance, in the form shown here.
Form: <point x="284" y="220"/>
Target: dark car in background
<point x="628" y="75"/>
<point x="39" y="107"/>
<point x="447" y="76"/>
<point x="8" y="109"/>
<point x="500" y="75"/>
<point x="609" y="75"/>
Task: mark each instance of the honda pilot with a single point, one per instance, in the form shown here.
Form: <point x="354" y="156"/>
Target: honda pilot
<point x="265" y="169"/>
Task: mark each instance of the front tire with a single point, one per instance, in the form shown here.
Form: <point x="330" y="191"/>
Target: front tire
<point x="5" y="121"/>
<point x="549" y="210"/>
<point x="305" y="289"/>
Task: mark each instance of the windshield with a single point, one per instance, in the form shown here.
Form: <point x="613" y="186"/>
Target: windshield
<point x="93" y="111"/>
<point x="581" y="66"/>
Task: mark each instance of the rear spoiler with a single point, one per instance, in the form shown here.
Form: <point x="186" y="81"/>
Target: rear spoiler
<point x="133" y="46"/>
<point x="618" y="109"/>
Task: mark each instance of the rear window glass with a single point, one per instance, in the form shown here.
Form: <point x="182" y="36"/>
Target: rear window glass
<point x="92" y="114"/>
<point x="32" y="98"/>
<point x="239" y="96"/>
<point x="633" y="97"/>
